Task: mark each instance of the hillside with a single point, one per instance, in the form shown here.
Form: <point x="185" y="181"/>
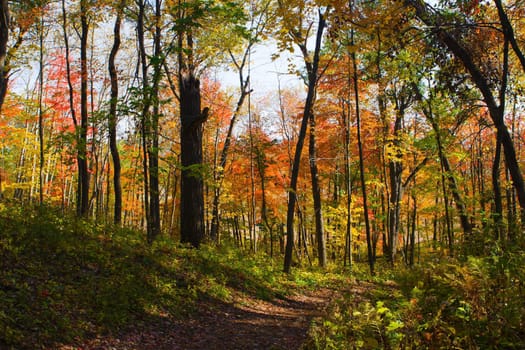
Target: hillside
<point x="66" y="283"/>
<point x="73" y="284"/>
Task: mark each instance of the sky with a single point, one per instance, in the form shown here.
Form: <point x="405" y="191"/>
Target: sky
<point x="266" y="73"/>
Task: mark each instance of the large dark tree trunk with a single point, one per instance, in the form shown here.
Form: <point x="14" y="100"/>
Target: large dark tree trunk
<point x="112" y="119"/>
<point x="83" y="173"/>
<point x="4" y="38"/>
<point x="498" y="215"/>
<point x="192" y="194"/>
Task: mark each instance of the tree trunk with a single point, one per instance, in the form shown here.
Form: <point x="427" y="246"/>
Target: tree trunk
<point x="149" y="123"/>
<point x="261" y="167"/>
<point x="348" y="188"/>
<point x="482" y="83"/>
<point x="316" y="193"/>
<point x="71" y="96"/>
<point x="395" y="166"/>
<point x="448" y="178"/>
<point x="41" y="110"/>
<point x="412" y="230"/>
<point x="192" y="187"/>
<point x="386" y="210"/>
<point x="83" y="173"/>
<point x="310" y="99"/>
<point x="4" y="38"/>
<point x="446" y="174"/>
<point x="508" y="31"/>
<point x="145" y="125"/>
<point x="153" y="149"/>
<point x="112" y="118"/>
<point x="362" y="171"/>
<point x="479" y="175"/>
<point x="251" y="206"/>
<point x="355" y="87"/>
<point x="460" y="204"/>
<point x="173" y="219"/>
<point x="498" y="206"/>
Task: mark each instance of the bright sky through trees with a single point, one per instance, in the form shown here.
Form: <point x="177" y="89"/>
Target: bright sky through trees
<point x="266" y="71"/>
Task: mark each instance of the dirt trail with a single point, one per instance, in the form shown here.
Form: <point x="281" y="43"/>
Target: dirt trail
<point x="246" y="323"/>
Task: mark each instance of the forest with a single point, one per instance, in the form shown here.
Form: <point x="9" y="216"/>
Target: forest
<point x="151" y="178"/>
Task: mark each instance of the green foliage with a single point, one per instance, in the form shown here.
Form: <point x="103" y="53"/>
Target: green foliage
<point x="446" y="304"/>
<point x="219" y="26"/>
<point x="374" y="323"/>
<point x="63" y="279"/>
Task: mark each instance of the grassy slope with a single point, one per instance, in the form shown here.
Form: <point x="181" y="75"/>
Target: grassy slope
<point x="63" y="279"/>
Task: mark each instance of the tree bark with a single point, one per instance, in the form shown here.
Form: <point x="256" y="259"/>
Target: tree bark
<point x="395" y="167"/>
<point x="150" y="122"/>
<point x="83" y="173"/>
<point x="454" y="189"/>
<point x="348" y="188"/>
<point x="310" y="99"/>
<point x="4" y="38"/>
<point x="112" y="119"/>
<point x="508" y="31"/>
<point x="41" y="109"/>
<point x="192" y="187"/>
<point x="153" y="144"/>
<point x="412" y="230"/>
<point x="498" y="206"/>
<point x="316" y="193"/>
<point x="144" y="123"/>
<point x="371" y="261"/>
<point x="68" y="66"/>
<point x="261" y="167"/>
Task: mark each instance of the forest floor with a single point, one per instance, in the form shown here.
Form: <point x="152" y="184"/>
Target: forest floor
<point x="70" y="284"/>
<point x="245" y="323"/>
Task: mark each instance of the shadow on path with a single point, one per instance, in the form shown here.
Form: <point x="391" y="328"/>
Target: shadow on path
<point x="244" y="324"/>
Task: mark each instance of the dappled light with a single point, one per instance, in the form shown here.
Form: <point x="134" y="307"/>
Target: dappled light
<point x="263" y="174"/>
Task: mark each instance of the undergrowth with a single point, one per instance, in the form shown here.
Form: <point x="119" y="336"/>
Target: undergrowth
<point x="65" y="280"/>
<point x="467" y="303"/>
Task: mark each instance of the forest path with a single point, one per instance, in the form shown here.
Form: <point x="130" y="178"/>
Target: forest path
<point x="246" y="323"/>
